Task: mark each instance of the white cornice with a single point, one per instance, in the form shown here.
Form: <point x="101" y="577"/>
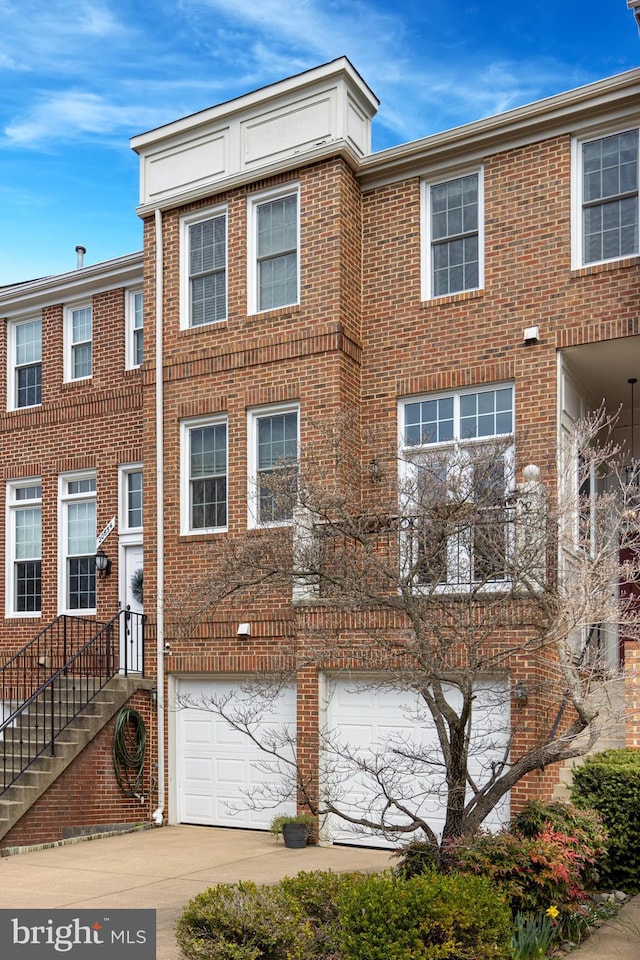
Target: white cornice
<point x="32" y="295"/>
<point x="616" y="99"/>
<point x="338" y="148"/>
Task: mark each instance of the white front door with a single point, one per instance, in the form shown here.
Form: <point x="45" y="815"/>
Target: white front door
<point x="131" y="634"/>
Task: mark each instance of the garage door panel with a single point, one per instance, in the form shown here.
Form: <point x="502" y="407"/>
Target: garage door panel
<point x="371" y="723"/>
<point x="218" y="767"/>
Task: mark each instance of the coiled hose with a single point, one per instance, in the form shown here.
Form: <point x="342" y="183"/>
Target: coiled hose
<point x="129" y="749"/>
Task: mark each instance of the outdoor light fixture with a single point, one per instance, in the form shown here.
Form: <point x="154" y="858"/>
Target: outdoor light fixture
<point x="520" y="694"/>
<point x="103" y="564"/>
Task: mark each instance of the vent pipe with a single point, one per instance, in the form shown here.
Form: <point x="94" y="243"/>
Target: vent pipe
<point x="80" y="252"/>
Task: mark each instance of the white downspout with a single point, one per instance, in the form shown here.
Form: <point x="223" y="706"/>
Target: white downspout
<point x="158" y="815"/>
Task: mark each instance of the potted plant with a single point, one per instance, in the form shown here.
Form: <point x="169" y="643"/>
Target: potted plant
<point x="295" y="828"/>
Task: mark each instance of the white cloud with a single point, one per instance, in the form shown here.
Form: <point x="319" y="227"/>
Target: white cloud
<point x="76" y="114"/>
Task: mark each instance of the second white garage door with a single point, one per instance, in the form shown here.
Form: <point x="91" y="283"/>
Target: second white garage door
<point x="220" y="769"/>
<point x="370" y="722"/>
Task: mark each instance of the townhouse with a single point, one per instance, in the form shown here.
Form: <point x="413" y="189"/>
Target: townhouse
<point x="480" y="282"/>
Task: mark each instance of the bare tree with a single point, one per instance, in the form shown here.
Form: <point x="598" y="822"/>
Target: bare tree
<point x="456" y="579"/>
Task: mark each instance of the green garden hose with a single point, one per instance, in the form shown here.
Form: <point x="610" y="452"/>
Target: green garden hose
<point x="129" y="748"/>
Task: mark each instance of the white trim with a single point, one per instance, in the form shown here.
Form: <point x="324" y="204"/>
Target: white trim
<point x="12" y="366"/>
<point x="426" y="272"/>
<point x="69" y="310"/>
<point x="577" y="143"/>
<point x="11" y="507"/>
<point x="124" y="472"/>
<point x="253" y="202"/>
<point x="64" y="499"/>
<point x="186" y="222"/>
<point x="186" y="426"/>
<point x="130" y="327"/>
<point x="252" y="457"/>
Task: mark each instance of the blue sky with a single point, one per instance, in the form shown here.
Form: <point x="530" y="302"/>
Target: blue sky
<point x="79" y="78"/>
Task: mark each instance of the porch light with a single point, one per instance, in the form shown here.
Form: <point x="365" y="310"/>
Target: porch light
<point x="103" y="564"/>
<point x="520" y="694"/>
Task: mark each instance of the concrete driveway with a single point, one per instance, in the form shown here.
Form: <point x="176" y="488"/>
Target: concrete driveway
<point x="162" y="869"/>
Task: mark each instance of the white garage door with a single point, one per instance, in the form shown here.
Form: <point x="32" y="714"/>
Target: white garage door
<point x="220" y="770"/>
<point x="376" y="726"/>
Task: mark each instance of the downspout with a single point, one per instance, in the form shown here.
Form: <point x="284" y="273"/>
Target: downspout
<point x="158" y="815"/>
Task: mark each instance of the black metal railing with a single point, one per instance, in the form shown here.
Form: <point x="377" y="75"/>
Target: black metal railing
<point x="51" y="680"/>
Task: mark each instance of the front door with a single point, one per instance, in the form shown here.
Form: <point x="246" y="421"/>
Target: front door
<point x="131" y="633"/>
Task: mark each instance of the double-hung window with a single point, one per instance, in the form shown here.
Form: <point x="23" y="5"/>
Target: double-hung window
<point x="25" y="363"/>
<point x="134" y="329"/>
<point x="274" y="277"/>
<point x="273" y="464"/>
<point x="78" y="542"/>
<point x="456" y="477"/>
<point x="24" y="548"/>
<point x="453" y="235"/>
<point x="204" y="475"/>
<point x="78" y="342"/>
<point x="204" y="268"/>
<point x="606" y="225"/>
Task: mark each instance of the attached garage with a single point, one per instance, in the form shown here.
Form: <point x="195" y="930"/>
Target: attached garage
<point x="219" y="770"/>
<point x="373" y="725"/>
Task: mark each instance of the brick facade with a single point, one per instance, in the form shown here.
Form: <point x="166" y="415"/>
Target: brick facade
<point x="360" y="338"/>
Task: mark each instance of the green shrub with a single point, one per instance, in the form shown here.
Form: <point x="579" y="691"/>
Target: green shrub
<point x="533" y="872"/>
<point x="428" y="917"/>
<point x="319" y="894"/>
<point x="243" y="921"/>
<point x="609" y="782"/>
<point x="415" y="857"/>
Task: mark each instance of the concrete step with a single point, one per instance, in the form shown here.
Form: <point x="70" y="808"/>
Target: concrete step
<point x="33" y="782"/>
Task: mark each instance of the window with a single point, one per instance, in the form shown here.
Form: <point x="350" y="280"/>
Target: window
<point x="79" y="336"/>
<point x="25" y="364"/>
<point x="24" y="548"/>
<point x="78" y="541"/>
<point x="457" y="467"/>
<point x="204" y="269"/>
<point x="608" y="192"/>
<point x="275" y="252"/>
<point x="134" y="326"/>
<point x="452" y="230"/>
<point x="130" y="498"/>
<point x="273" y="464"/>
<point x="204" y="460"/>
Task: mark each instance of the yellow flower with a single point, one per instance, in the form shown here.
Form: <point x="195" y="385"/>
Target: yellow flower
<point x="552" y="912"/>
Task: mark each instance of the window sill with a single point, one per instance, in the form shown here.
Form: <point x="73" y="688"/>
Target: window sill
<point x="449" y="298"/>
<point x="201" y="328"/>
<point x="258" y="316"/>
<point x="606" y="266"/>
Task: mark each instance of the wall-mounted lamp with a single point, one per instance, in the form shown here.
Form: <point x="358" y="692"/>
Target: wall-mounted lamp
<point x="103" y="564"/>
<point x="531" y="335"/>
<point x="375" y="471"/>
<point x="153" y="694"/>
<point x="244" y="630"/>
<point x="520" y="694"/>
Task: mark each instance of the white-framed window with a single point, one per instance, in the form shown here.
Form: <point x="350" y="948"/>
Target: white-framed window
<point x="273" y="457"/>
<point x="131" y="498"/>
<point x="456" y="481"/>
<point x="274" y="244"/>
<point x="24" y="548"/>
<point x="203" y="268"/>
<point x="78" y="354"/>
<point x="24" y="351"/>
<point x="134" y="323"/>
<point x="453" y="235"/>
<point x="77" y="538"/>
<point x="606" y="198"/>
<point x="204" y="475"/>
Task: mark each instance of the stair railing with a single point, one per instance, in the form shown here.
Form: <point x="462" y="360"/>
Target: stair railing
<point x="51" y="680"/>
